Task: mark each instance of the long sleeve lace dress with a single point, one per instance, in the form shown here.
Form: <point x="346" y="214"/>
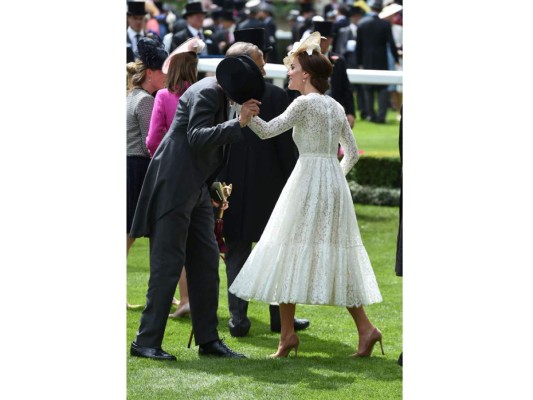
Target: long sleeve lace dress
<point x="311" y="250"/>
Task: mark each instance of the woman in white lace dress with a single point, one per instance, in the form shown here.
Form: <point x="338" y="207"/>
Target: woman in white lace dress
<point x="311" y="250"/>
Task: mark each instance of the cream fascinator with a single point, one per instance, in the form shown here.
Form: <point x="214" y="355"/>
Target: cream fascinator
<point x="309" y="44"/>
<point x="193" y="45"/>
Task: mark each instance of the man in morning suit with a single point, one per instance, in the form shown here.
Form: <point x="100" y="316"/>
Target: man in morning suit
<point x="194" y="15"/>
<point x="135" y="31"/>
<point x="373" y="36"/>
<point x="258" y="170"/>
<point x="175" y="211"/>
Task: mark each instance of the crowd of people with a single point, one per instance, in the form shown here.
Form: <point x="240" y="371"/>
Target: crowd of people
<point x="186" y="131"/>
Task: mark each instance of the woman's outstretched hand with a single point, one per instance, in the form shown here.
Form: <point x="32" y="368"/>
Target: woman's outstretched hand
<point x="249" y="109"/>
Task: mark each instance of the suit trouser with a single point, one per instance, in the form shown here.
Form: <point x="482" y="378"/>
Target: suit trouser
<point x="187" y="231"/>
<point x="383" y="100"/>
<point x="237" y="252"/>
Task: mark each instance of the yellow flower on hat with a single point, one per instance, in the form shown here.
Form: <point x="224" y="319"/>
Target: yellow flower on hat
<point x="308" y="44"/>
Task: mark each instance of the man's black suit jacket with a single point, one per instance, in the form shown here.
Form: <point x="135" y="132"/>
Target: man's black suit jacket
<point x="258" y="170"/>
<point x="210" y="41"/>
<point x="373" y="36"/>
<point x="190" y="155"/>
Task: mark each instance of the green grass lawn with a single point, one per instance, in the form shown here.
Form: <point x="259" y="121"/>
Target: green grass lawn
<point x="378" y="140"/>
<point x="322" y="369"/>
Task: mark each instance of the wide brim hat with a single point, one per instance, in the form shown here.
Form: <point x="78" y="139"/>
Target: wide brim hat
<point x="389" y="10"/>
<point x="193" y="8"/>
<point x="152" y="53"/>
<point x="255" y="36"/>
<point x="193" y="45"/>
<point x="240" y="78"/>
<point x="136" y="8"/>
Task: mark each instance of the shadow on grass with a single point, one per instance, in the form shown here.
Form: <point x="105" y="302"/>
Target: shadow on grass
<point x="321" y="363"/>
<point x="314" y="372"/>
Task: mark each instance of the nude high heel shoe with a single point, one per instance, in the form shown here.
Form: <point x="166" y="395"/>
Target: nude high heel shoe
<point x="375" y="336"/>
<point x="182" y="311"/>
<point x="285" y="348"/>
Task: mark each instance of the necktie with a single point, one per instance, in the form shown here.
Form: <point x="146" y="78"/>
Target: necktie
<point x="138" y="37"/>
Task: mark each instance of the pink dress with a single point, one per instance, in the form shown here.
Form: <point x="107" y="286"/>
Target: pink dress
<point x="165" y="105"/>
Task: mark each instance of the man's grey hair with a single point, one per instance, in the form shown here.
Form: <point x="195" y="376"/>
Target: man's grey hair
<point x="243" y="48"/>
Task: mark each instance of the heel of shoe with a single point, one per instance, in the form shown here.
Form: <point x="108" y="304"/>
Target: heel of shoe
<point x="381" y="345"/>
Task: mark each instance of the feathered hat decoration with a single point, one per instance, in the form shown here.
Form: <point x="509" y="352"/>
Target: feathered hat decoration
<point x="308" y="44"/>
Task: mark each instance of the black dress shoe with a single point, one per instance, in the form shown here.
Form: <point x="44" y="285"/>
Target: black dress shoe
<point x="150" y="352"/>
<point x="240" y="330"/>
<point x="218" y="348"/>
<point x="299" y="325"/>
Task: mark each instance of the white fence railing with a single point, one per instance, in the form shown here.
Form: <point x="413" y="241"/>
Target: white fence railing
<point x="278" y="73"/>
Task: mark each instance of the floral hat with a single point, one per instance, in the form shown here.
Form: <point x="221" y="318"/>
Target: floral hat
<point x="308" y="44"/>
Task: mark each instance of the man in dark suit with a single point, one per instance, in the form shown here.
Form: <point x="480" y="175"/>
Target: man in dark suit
<point x="266" y="16"/>
<point x="194" y="15"/>
<point x="373" y="36"/>
<point x="251" y="20"/>
<point x="345" y="46"/>
<point x="135" y="31"/>
<point x="340" y="88"/>
<point x="175" y="211"/>
<point x="258" y="170"/>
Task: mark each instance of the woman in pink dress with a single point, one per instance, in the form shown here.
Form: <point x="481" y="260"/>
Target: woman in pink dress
<point x="181" y="68"/>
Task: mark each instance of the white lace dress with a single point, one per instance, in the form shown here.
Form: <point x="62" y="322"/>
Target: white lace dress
<point x="311" y="250"/>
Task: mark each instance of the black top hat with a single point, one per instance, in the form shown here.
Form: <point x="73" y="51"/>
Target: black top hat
<point x="136" y="8"/>
<point x="193" y="8"/>
<point x="227" y="15"/>
<point x="376" y="5"/>
<point x="240" y="78"/>
<point x="325" y="28"/>
<point x="255" y="36"/>
<point x="356" y="10"/>
<point x="152" y="53"/>
<point x="306" y="7"/>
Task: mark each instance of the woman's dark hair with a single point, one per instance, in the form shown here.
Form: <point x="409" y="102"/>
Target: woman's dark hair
<point x="319" y="67"/>
<point x="183" y="68"/>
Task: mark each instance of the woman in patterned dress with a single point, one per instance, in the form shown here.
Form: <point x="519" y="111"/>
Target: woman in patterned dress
<point x="311" y="250"/>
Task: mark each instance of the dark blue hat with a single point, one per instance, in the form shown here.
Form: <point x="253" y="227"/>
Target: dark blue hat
<point x="152" y="53"/>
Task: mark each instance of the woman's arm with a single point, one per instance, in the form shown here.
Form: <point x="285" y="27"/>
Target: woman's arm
<point x="351" y="153"/>
<point x="292" y="115"/>
<point x="157" y="125"/>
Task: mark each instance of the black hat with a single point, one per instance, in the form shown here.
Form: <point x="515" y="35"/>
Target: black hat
<point x="306" y="7"/>
<point x="193" y="8"/>
<point x="253" y="35"/>
<point x="325" y="28"/>
<point x="356" y="10"/>
<point x="152" y="53"/>
<point x="227" y="15"/>
<point x="136" y="8"/>
<point x="376" y="5"/>
<point x="240" y="78"/>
